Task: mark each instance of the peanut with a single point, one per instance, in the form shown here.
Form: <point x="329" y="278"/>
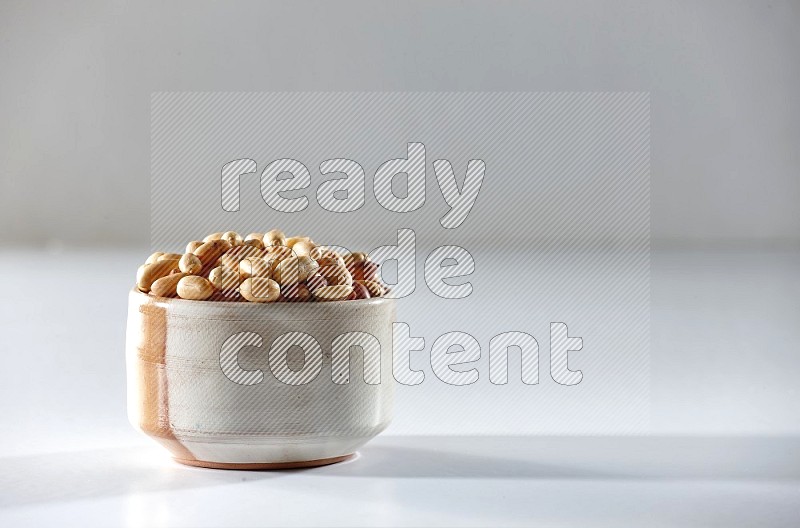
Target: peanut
<point x="194" y="288"/>
<point x="365" y="270"/>
<point x="253" y="242"/>
<point x="360" y="291"/>
<point x="260" y="289"/>
<point x="233" y="256"/>
<point x="261" y="267"/>
<point x="232" y="237"/>
<point x="291" y="241"/>
<point x="167" y="286"/>
<point x="211" y="251"/>
<point x="224" y="279"/>
<point x="303" y="247"/>
<point x="355" y="258"/>
<point x="190" y="263"/>
<point x="336" y="275"/>
<point x="317" y="252"/>
<point x="333" y="293"/>
<point x="330" y="260"/>
<point x="316" y="282"/>
<point x="191" y="246"/>
<point x="274" y="238"/>
<point x="278" y="253"/>
<point x="370" y="271"/>
<point x="154" y="257"/>
<point x="375" y="288"/>
<point x="295" y="269"/>
<point x="296" y="292"/>
<point x="147" y="274"/>
<point x="255" y="267"/>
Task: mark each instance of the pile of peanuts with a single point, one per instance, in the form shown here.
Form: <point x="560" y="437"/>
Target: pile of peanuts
<point x="262" y="267"/>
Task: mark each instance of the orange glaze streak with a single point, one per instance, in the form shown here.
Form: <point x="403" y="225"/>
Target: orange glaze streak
<point x="152" y="374"/>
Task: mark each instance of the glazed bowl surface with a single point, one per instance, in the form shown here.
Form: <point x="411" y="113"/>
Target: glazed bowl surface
<point x="259" y="385"/>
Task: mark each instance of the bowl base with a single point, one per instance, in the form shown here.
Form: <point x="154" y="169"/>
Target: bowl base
<point x="250" y="466"/>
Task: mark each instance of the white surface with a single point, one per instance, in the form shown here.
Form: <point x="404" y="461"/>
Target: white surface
<point x="75" y="93"/>
<point x="424" y="481"/>
<point x="723" y="416"/>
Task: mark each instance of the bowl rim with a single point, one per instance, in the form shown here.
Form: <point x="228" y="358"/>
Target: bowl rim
<point x="223" y="305"/>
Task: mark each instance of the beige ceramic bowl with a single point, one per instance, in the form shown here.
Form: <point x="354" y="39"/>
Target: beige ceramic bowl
<point x="248" y="386"/>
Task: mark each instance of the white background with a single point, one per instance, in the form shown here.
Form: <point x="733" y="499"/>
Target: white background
<point x="76" y="84"/>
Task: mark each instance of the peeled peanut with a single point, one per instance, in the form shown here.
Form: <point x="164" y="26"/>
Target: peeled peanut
<point x="253" y="242"/>
<point x="211" y="251"/>
<point x="316" y="282"/>
<point x="375" y="288"/>
<point x="333" y="293"/>
<point x="360" y="291"/>
<point x="317" y="252"/>
<point x="330" y="260"/>
<point x="365" y="270"/>
<point x="232" y="237"/>
<point x="321" y="252"/>
<point x="194" y="288"/>
<point x="296" y="292"/>
<point x="278" y="253"/>
<point x="223" y="278"/>
<point x="167" y="286"/>
<point x="303" y="247"/>
<point x="308" y="266"/>
<point x="233" y="256"/>
<point x="191" y="246"/>
<point x="190" y="263"/>
<point x="260" y="289"/>
<point x="336" y="275"/>
<point x="147" y="274"/>
<point x="274" y="238"/>
<point x="261" y="267"/>
<point x="355" y="258"/>
<point x="291" y="241"/>
<point x="295" y="269"/>
<point x="370" y="271"/>
<point x="154" y="257"/>
<point x="255" y="267"/>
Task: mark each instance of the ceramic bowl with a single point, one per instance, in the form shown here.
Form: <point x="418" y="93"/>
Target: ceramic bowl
<point x="255" y="386"/>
